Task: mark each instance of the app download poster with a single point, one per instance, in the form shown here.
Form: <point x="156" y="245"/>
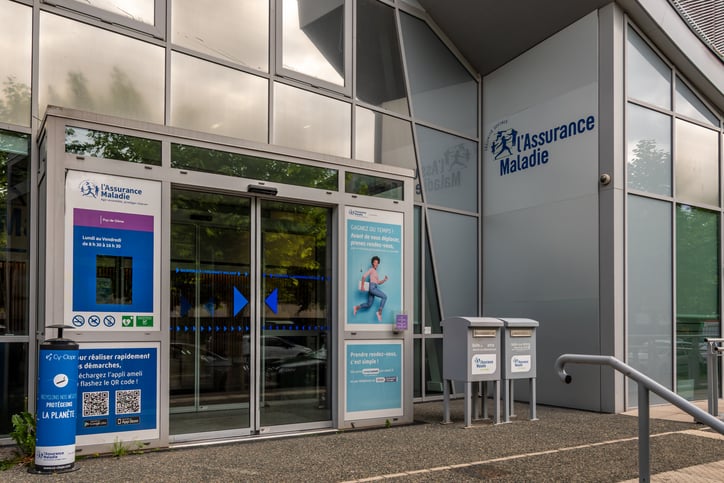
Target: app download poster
<point x="118" y="392"/>
<point x="112" y="247"/>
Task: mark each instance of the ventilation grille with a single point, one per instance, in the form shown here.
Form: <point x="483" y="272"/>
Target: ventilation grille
<point x="706" y="18"/>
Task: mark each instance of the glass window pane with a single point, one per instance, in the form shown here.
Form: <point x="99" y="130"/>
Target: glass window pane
<point x="380" y="78"/>
<point x="108" y="145"/>
<point x="648" y="151"/>
<point x="688" y="104"/>
<point x="433" y="315"/>
<point x="312" y="122"/>
<point x="650" y="286"/>
<point x="417" y="271"/>
<point x="443" y="92"/>
<point x="697" y="296"/>
<point x="417" y="368"/>
<point x="14" y="367"/>
<point x="697" y="163"/>
<point x="14" y="244"/>
<point x="126" y="81"/>
<point x="380" y="138"/>
<point x="458" y="279"/>
<point x="433" y="367"/>
<point x="648" y="78"/>
<point x="252" y="167"/>
<point x="366" y="185"/>
<point x="449" y="166"/>
<point x="210" y="98"/>
<point x="212" y="27"/>
<point x="15" y="42"/>
<point x="313" y="39"/>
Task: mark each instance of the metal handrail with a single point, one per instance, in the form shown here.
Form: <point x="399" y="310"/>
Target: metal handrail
<point x="645" y="384"/>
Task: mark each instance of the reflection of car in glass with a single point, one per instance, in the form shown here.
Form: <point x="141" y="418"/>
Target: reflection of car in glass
<point x="305" y="370"/>
<point x="277" y="349"/>
<point x="213" y="369"/>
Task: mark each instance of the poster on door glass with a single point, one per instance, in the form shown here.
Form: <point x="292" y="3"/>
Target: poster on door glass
<point x="112" y="252"/>
<point x="374" y="268"/>
<point x="373" y="379"/>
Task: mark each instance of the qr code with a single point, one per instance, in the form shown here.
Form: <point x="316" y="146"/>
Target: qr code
<point x="128" y="402"/>
<point x="95" y="404"/>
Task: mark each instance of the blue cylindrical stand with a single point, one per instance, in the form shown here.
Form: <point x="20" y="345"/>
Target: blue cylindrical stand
<point x="57" y="405"/>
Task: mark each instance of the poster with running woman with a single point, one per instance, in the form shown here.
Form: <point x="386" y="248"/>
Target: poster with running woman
<point x="374" y="268"/>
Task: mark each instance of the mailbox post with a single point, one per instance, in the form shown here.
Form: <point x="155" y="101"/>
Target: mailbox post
<point x="471" y="353"/>
<point x="519" y="360"/>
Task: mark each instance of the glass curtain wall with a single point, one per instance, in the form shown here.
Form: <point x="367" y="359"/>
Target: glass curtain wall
<point x="444" y="103"/>
<point x="673" y="223"/>
<point x="14" y="274"/>
<point x="412" y="102"/>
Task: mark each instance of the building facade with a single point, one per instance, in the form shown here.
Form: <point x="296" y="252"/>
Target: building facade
<point x="260" y="229"/>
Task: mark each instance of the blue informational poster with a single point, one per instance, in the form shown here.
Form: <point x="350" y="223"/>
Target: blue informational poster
<point x="117" y="392"/>
<point x="374" y="285"/>
<point x="112" y="252"/>
<point x="373" y="375"/>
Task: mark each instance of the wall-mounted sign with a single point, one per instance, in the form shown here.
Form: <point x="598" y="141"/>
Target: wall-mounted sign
<point x="112" y="252"/>
<point x="117" y="392"/>
<point x="373" y="379"/>
<point x="374" y="268"/>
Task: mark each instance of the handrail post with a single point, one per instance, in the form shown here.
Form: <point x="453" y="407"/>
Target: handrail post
<point x="713" y="353"/>
<point x="712" y="379"/>
<point x="644" y="447"/>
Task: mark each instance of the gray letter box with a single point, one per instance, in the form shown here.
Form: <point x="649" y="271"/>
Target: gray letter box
<point x="471" y="349"/>
<point x="519" y="359"/>
<point x="471" y="352"/>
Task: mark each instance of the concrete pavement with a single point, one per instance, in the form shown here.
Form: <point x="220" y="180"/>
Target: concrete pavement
<point x="563" y="445"/>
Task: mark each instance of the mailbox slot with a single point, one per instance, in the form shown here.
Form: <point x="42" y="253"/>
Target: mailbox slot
<point x="521" y="332"/>
<point x="485" y="332"/>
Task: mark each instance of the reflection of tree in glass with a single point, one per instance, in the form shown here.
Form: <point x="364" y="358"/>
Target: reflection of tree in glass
<point x="647" y="170"/>
<point x="122" y="98"/>
<point x="15" y="102"/>
<point x="697" y="272"/>
<point x="252" y="167"/>
<point x="109" y="145"/>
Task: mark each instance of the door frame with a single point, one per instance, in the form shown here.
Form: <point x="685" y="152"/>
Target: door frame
<point x="53" y="162"/>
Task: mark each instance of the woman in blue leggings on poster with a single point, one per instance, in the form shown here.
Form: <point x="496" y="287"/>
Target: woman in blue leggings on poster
<point x="374" y="290"/>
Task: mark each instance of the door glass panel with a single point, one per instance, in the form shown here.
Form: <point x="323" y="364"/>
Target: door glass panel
<point x="210" y="315"/>
<point x="295" y="326"/>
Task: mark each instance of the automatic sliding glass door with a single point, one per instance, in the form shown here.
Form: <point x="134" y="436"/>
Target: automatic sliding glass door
<point x="209" y="361"/>
<point x="249" y="328"/>
<point x="295" y="323"/>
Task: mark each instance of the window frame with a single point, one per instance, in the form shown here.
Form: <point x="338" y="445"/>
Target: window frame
<point x="158" y="29"/>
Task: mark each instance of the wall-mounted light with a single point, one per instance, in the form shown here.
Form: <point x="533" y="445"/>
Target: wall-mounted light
<point x="262" y="190"/>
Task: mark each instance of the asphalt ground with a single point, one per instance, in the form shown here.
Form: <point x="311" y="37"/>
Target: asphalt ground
<point x="562" y="445"/>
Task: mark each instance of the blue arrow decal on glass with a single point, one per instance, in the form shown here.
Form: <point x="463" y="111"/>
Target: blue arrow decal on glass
<point x="272" y="300"/>
<point x="239" y="301"/>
